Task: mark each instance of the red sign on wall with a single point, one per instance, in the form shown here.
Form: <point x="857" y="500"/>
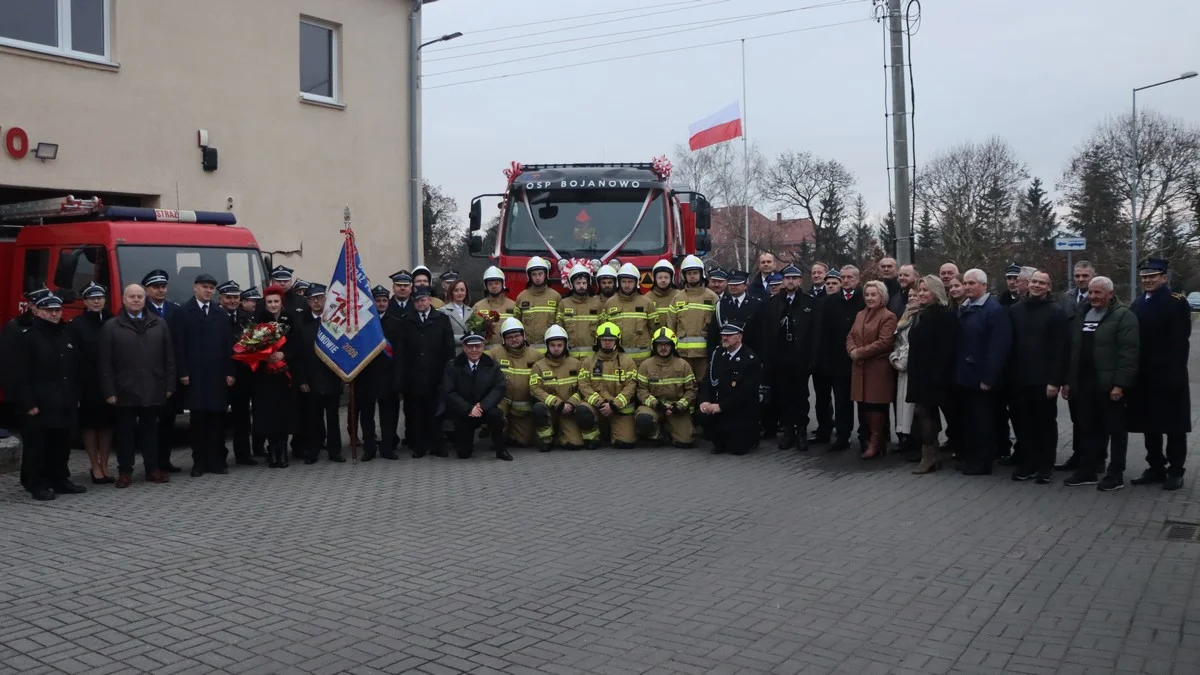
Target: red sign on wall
<point x="16" y="142"/>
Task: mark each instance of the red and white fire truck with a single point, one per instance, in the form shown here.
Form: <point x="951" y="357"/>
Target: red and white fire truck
<point x="599" y="213"/>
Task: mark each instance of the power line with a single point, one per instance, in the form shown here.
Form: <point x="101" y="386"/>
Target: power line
<point x="708" y="3"/>
<point x="583" y="16"/>
<point x="719" y="21"/>
<point x="653" y="53"/>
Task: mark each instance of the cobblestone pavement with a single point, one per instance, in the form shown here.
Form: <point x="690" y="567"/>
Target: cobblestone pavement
<point x="636" y="561"/>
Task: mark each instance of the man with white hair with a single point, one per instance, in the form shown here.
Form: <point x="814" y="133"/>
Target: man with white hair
<point x="1102" y="367"/>
<point x="985" y="336"/>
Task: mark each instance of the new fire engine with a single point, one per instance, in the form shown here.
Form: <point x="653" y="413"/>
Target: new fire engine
<point x="66" y="243"/>
<point x="598" y="213"/>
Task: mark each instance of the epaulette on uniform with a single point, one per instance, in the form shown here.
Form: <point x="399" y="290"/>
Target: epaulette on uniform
<point x="1181" y="296"/>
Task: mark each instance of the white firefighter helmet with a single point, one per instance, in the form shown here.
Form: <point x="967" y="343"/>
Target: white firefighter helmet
<point x="691" y="263"/>
<point x="493" y="273"/>
<point x="606" y="272"/>
<point x="537" y="263"/>
<point x="555" y="332"/>
<point x="629" y="271"/>
<point x="510" y="325"/>
<point x="578" y="270"/>
<point x="663" y="266"/>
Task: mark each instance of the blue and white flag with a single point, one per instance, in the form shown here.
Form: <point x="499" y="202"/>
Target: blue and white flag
<point x="350" y="334"/>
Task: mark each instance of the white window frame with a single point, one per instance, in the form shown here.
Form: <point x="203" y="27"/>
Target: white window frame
<point x="335" y="76"/>
<point x="64" y="37"/>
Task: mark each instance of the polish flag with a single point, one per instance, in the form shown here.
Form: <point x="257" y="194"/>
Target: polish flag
<point x="723" y="125"/>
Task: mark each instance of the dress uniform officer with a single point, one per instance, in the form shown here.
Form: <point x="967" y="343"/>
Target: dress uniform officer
<point x="662" y="295"/>
<point x="495" y="301"/>
<point x="516" y="358"/>
<point x="630" y="310"/>
<point x="473" y="387"/>
<point x="667" y="390"/>
<point x="537" y="305"/>
<point x="320" y="387"/>
<point x="774" y="283"/>
<point x="402" y="287"/>
<point x="729" y="394"/>
<point x="791" y="322"/>
<point x="45" y="391"/>
<point x="740" y="307"/>
<point x="608" y="383"/>
<point x="718" y="279"/>
<point x="243" y="384"/>
<point x="378" y="382"/>
<point x="1160" y="404"/>
<point x="156" y="283"/>
<point x="426" y="344"/>
<point x="285" y="277"/>
<point x="557" y="403"/>
<point x="606" y="282"/>
<point x="694" y="307"/>
<point x="579" y="313"/>
<point x="249" y="300"/>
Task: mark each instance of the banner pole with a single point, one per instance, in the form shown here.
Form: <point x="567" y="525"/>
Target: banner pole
<point x="351" y="272"/>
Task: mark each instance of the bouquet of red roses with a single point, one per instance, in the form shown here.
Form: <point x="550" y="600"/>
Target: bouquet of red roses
<point x="483" y="322"/>
<point x="262" y="343"/>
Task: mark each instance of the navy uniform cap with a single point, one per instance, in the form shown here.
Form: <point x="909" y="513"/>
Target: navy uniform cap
<point x="834" y="273"/>
<point x="50" y="301"/>
<point x="774" y="279"/>
<point x="718" y="274"/>
<point x="472" y="339"/>
<point x="401" y="277"/>
<point x="792" y="271"/>
<point x="205" y="278"/>
<point x="380" y="292"/>
<point x="251" y="293"/>
<point x="94" y="290"/>
<point x="449" y="275"/>
<point x="1014" y="270"/>
<point x="732" y="327"/>
<point x="421" y="292"/>
<point x="1153" y="266"/>
<point x="316" y="290"/>
<point x="37" y="293"/>
<point x="738" y="277"/>
<point x="301" y="285"/>
<point x="230" y="288"/>
<point x="282" y="273"/>
<point x="154" y="277"/>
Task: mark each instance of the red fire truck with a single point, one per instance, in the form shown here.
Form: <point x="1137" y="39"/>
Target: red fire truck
<point x="66" y="243"/>
<point x="600" y="213"/>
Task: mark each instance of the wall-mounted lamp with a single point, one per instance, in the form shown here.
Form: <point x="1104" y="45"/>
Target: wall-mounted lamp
<point x="208" y="155"/>
<point x="45" y="151"/>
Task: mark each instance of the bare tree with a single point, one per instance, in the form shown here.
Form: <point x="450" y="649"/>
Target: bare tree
<point x="970" y="191"/>
<point x="722" y="173"/>
<point x="814" y="187"/>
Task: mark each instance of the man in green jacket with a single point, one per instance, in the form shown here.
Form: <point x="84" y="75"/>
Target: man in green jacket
<point x="1103" y="366"/>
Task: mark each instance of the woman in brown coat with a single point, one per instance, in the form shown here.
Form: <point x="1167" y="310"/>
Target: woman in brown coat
<point x="872" y="379"/>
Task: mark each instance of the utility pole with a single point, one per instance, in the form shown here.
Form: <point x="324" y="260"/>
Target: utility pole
<point x="414" y="135"/>
<point x="901" y="160"/>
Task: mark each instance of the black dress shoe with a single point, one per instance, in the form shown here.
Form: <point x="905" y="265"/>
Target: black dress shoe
<point x="441" y="453"/>
<point x="787" y="442"/>
<point x="388" y="454"/>
<point x="718" y="449"/>
<point x="1071" y="464"/>
<point x="1150" y="477"/>
<point x="66" y="487"/>
<point x="196" y="472"/>
<point x="839" y="445"/>
<point x="1008" y="461"/>
<point x="246" y="461"/>
<point x="504" y="455"/>
<point x="337" y="458"/>
<point x="418" y="454"/>
<point x="43" y="494"/>
<point x="171" y="468"/>
<point x="103" y="480"/>
<point x="220" y="471"/>
<point x="1173" y="483"/>
<point x="310" y="460"/>
<point x="818" y="438"/>
<point x="801" y="445"/>
<point x="368" y="455"/>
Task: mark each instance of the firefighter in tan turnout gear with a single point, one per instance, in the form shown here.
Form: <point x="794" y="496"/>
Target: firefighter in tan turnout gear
<point x="694" y="309"/>
<point x="516" y="359"/>
<point x="557" y="403"/>
<point x="496" y="301"/>
<point x="662" y="295"/>
<point x="608" y="383"/>
<point x="580" y="312"/>
<point x="630" y="310"/>
<point x="537" y="305"/>
<point x="667" y="390"/>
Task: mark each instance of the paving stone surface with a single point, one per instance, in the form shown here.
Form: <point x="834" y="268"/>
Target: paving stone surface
<point x="642" y="561"/>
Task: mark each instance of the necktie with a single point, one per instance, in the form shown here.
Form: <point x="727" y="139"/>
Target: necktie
<point x="205" y="309"/>
<point x="849" y="294"/>
<point x="473" y="368"/>
<point x="158" y="310"/>
<point x="422" y="317"/>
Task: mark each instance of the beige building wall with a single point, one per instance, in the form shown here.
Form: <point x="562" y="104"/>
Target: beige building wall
<point x="231" y="67"/>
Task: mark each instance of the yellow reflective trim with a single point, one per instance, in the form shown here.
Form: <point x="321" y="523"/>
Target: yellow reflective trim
<point x="650" y="401"/>
<point x="594" y="399"/>
<point x="552" y="400"/>
<point x="621" y="401"/>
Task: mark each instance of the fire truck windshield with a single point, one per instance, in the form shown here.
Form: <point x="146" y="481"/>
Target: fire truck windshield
<point x="184" y="263"/>
<point x="585" y="223"/>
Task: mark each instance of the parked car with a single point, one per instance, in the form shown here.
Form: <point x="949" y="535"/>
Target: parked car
<point x="1194" y="301"/>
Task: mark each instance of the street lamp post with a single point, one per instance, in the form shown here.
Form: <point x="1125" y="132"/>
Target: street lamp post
<point x="1137" y="175"/>
<point x="414" y="86"/>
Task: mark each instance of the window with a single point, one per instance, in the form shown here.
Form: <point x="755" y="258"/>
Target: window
<point x="92" y="267"/>
<point x="243" y="265"/>
<point x="74" y="28"/>
<point x="37" y="266"/>
<point x="319" y="61"/>
<point x="587" y="223"/>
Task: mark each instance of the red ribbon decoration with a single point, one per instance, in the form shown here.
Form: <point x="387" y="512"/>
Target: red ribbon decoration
<point x="512" y="172"/>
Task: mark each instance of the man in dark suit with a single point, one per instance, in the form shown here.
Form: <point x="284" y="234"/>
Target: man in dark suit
<point x="206" y="369"/>
<point x="728" y="397"/>
<point x="378" y="386"/>
<point x="401" y="302"/>
<point x="838" y="312"/>
<point x="1012" y="293"/>
<point x="1075" y="300"/>
<point x="472" y="387"/>
<point x="737" y="304"/>
<point x="320" y="387"/>
<point x="1160" y="402"/>
<point x="791" y="321"/>
<point x="284" y="277"/>
<point x="822" y="384"/>
<point x="817" y="273"/>
<point x="760" y="285"/>
<point x="239" y="394"/>
<point x="155" y="282"/>
<point x="426" y="343"/>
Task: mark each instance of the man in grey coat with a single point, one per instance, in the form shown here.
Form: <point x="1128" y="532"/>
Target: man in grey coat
<point x="137" y="375"/>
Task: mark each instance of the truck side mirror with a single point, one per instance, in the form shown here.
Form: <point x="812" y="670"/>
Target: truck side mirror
<point x="703" y="242"/>
<point x="703" y="214"/>
<point x="474" y="244"/>
<point x="64" y="271"/>
<point x="476" y="216"/>
<point x="268" y="261"/>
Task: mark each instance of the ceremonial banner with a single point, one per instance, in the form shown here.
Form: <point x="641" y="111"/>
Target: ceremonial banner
<point x="350" y="334"/>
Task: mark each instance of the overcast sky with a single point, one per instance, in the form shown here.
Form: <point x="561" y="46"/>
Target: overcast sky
<point x="1039" y="73"/>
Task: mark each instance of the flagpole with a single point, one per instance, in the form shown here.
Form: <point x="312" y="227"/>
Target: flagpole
<point x="745" y="161"/>
<point x="352" y="309"/>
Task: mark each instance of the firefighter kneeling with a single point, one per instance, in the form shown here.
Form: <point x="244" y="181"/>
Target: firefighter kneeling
<point x="667" y="390"/>
<point x="516" y="359"/>
<point x="557" y="403"/>
<point x="608" y="383"/>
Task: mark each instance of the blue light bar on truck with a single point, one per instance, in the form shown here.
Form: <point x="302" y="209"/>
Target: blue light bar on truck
<point x="167" y="215"/>
<point x="70" y="208"/>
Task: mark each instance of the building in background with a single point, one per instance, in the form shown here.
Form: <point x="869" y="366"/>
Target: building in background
<point x="785" y="237"/>
<point x="303" y="101"/>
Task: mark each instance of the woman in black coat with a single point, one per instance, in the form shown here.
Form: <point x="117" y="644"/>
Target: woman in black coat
<point x="932" y="349"/>
<point x="96" y="416"/>
<point x="273" y="394"/>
